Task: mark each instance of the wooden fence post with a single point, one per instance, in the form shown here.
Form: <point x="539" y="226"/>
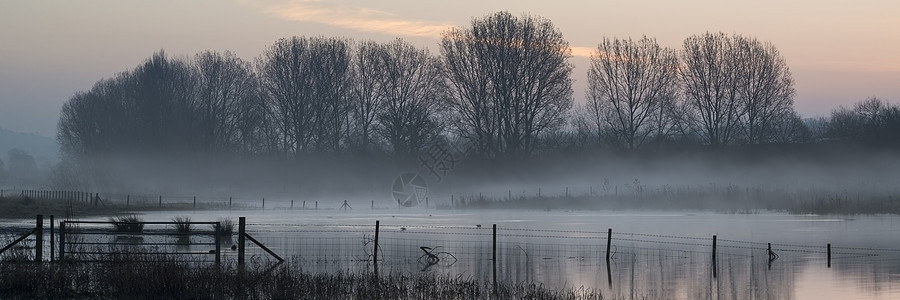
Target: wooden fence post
<point x="608" y="244"/>
<point x="494" y="258"/>
<point x="39" y="239"/>
<point x="218" y="243"/>
<point x="160" y="201"/>
<point x="242" y="223"/>
<point x="375" y="251"/>
<point x="829" y="255"/>
<point x="195" y="201"/>
<point x="52" y="233"/>
<point x="715" y="271"/>
<point x="62" y="240"/>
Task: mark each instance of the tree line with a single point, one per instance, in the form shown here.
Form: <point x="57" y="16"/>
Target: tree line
<point x="500" y="88"/>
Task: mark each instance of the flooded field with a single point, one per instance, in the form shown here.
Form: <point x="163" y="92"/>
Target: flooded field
<point x="651" y="254"/>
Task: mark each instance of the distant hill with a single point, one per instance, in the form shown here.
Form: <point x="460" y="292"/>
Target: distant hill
<point x="44" y="149"/>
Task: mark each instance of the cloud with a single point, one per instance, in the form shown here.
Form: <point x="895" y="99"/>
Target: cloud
<point x="360" y="18"/>
<point x="582" y="51"/>
<point x="348" y="16"/>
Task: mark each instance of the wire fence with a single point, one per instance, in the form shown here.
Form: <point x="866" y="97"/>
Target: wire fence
<point x="555" y="257"/>
<point x="625" y="260"/>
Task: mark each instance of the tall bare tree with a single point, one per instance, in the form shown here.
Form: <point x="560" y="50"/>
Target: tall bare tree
<point x="766" y="88"/>
<point x="412" y="88"/>
<point x="711" y="85"/>
<point x="307" y="83"/>
<point x="510" y="79"/>
<point x="366" y="94"/>
<point x="229" y="107"/>
<point x="632" y="85"/>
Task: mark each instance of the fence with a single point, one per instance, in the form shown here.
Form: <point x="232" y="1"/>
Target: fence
<point x="489" y="253"/>
<point x="153" y="201"/>
<point x="105" y="241"/>
<point x="553" y="257"/>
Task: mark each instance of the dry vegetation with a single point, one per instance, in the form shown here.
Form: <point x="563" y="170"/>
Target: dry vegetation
<point x="168" y="279"/>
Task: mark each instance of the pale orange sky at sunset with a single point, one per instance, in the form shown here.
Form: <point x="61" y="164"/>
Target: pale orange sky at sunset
<point x="840" y="52"/>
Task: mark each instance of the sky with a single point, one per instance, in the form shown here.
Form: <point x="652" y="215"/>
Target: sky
<point x="840" y="52"/>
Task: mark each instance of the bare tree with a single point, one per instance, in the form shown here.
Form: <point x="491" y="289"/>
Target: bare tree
<point x="160" y="105"/>
<point x="766" y="88"/>
<point x="149" y="109"/>
<point x="510" y="79"/>
<point x="711" y="86"/>
<point x="412" y="87"/>
<point x="366" y="95"/>
<point x="789" y="128"/>
<point x="631" y="88"/>
<point x="229" y="107"/>
<point x="873" y="122"/>
<point x="307" y="82"/>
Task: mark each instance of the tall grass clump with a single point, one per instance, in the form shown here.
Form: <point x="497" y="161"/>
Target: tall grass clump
<point x="226" y="227"/>
<point x="131" y="224"/>
<point x="182" y="224"/>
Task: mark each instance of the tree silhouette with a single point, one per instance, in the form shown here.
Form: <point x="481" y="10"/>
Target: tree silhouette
<point x="510" y="81"/>
<point x="632" y="86"/>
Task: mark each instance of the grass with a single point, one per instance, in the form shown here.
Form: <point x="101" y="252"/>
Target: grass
<point x="128" y="224"/>
<point x="182" y="224"/>
<point x="226" y="227"/>
<point x="141" y="276"/>
<point x="22" y="252"/>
